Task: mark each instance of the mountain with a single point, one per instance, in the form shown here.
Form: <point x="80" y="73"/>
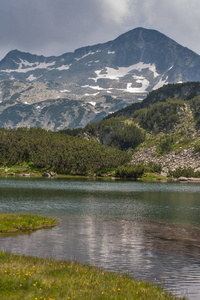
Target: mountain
<point x="125" y="69"/>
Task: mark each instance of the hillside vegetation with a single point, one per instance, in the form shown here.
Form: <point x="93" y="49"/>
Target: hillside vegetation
<point x="52" y="151"/>
<point x="167" y="121"/>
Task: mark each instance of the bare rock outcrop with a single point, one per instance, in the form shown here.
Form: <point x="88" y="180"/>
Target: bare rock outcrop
<point x="186" y="158"/>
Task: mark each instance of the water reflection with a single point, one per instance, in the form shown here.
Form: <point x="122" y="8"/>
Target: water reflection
<point x="121" y="226"/>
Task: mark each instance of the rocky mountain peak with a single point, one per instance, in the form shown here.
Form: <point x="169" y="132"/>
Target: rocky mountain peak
<point x="125" y="69"/>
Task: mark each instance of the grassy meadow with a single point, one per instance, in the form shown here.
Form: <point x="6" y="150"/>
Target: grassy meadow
<point x="35" y="278"/>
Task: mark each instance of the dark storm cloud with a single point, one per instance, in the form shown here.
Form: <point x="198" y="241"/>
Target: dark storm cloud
<point x="53" y="27"/>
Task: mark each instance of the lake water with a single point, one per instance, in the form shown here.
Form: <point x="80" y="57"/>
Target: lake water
<point x="150" y="230"/>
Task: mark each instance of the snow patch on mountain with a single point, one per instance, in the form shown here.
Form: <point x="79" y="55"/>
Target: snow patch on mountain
<point x="89" y="95"/>
<point x="31" y="78"/>
<point x="115" y="74"/>
<point x="85" y="55"/>
<point x="64" y="67"/>
<point x="160" y="83"/>
<point x="92" y="103"/>
<point x="94" y="87"/>
<point x="25" y="66"/>
<point x="142" y="89"/>
<point x="64" y="91"/>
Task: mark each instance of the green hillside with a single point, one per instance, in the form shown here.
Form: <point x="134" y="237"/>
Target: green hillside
<point x="151" y="119"/>
<point x="40" y="150"/>
<point x="167" y="121"/>
<point x="185" y="91"/>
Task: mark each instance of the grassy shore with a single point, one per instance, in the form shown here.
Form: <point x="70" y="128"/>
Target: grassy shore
<point x="26" y="171"/>
<point x="34" y="278"/>
<point x="15" y="223"/>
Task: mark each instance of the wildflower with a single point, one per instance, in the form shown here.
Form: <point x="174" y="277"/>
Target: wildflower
<point x="102" y="293"/>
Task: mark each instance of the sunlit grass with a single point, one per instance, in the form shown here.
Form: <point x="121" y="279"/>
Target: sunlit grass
<point x="152" y="177"/>
<point x="33" y="278"/>
<point x="14" y="222"/>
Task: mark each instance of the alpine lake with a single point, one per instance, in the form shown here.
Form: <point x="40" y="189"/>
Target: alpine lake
<point x="149" y="230"/>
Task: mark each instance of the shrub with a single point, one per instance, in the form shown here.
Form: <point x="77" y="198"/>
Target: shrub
<point x="130" y="171"/>
<point x="165" y="145"/>
<point x="117" y="133"/>
<point x="62" y="153"/>
<point x="159" y="116"/>
<point x="186" y="172"/>
<point x="153" y="167"/>
<point x="197" y="147"/>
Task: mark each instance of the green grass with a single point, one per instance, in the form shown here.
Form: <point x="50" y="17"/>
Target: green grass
<point x="34" y="278"/>
<point x="23" y="168"/>
<point x="14" y="223"/>
<point x="149" y="177"/>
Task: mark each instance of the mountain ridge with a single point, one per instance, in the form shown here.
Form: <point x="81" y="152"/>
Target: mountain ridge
<point x="126" y="69"/>
<point x="135" y="46"/>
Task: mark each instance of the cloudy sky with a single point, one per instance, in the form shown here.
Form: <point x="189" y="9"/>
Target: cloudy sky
<point x="54" y="27"/>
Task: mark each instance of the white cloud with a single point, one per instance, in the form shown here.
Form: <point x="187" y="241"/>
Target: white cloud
<point x="115" y="10"/>
<point x="178" y="19"/>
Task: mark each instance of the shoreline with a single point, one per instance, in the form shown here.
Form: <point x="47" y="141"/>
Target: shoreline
<point x="152" y="178"/>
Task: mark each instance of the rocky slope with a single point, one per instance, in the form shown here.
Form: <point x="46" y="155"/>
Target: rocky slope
<point x="47" y="105"/>
<point x="171" y="161"/>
